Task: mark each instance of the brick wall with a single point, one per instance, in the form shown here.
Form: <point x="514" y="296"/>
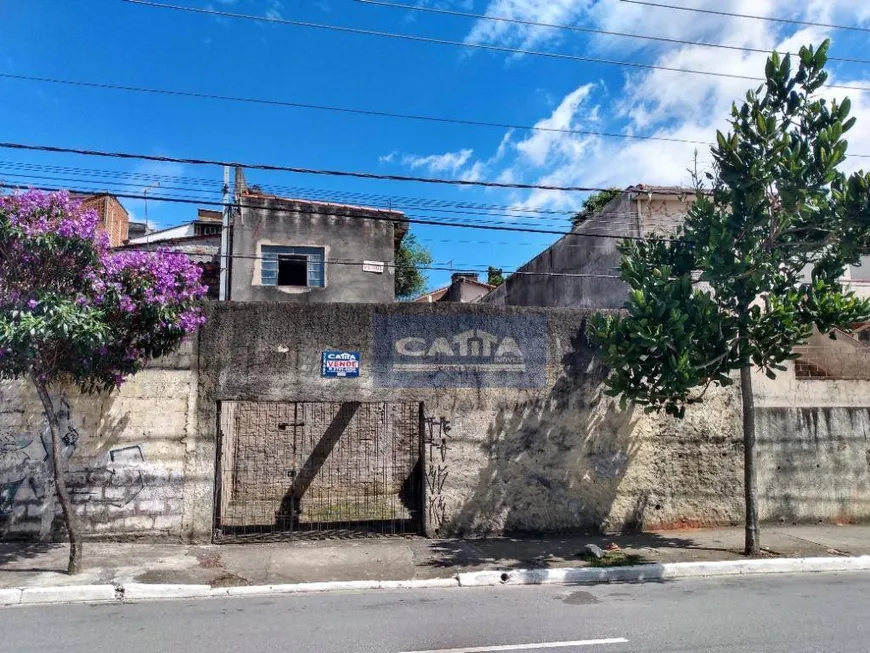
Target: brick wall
<point x="114" y="219"/>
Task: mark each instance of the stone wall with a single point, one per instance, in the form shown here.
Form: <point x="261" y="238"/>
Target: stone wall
<point x="125" y="453"/>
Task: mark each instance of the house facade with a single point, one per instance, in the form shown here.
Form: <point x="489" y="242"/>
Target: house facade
<point x="586" y="261"/>
<point x="292" y="250"/>
<point x="464" y="288"/>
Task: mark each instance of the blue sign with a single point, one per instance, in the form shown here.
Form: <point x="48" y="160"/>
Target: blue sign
<point x="343" y="364"/>
<point x="460" y="351"/>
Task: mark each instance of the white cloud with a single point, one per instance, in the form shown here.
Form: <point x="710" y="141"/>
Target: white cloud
<point x="388" y="158"/>
<point x="449" y="162"/>
<point x="653" y="102"/>
<point x="542" y="145"/>
<point x="554" y="12"/>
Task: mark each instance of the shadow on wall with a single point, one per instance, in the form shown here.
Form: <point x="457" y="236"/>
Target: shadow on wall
<point x="555" y="463"/>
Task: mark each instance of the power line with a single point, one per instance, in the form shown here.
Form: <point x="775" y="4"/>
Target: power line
<point x="609" y="219"/>
<point x="362" y="112"/>
<point x="410" y="219"/>
<point x="480" y="46"/>
<point x="458" y="267"/>
<point x="579" y="28"/>
<point x="612" y="219"/>
<point x="294" y="191"/>
<point x="791" y="21"/>
<point x="303" y="171"/>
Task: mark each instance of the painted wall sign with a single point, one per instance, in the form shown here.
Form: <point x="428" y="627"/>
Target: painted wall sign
<point x="460" y="351"/>
<point x="340" y="364"/>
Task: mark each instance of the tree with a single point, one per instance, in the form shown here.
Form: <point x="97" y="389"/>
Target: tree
<point x="757" y="265"/>
<point x="73" y="312"/>
<point x="411" y="260"/>
<point x="494" y="276"/>
<point x="593" y="204"/>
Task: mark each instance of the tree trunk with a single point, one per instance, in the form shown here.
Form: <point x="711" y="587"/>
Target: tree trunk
<point x="75" y="550"/>
<point x="749" y="473"/>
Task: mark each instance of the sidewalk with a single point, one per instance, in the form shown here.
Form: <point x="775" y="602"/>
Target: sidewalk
<point x="42" y="565"/>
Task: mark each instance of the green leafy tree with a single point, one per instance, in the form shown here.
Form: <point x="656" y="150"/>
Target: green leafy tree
<point x="411" y="261"/>
<point x="757" y="265"/>
<point x="593" y="204"/>
<point x="494" y="276"/>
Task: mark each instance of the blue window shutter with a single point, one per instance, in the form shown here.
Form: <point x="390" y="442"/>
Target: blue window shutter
<point x="316" y="264"/>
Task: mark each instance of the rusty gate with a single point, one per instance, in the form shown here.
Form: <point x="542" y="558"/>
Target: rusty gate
<point x="318" y="469"/>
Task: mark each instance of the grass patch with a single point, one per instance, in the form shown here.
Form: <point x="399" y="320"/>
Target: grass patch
<point x="614" y="559"/>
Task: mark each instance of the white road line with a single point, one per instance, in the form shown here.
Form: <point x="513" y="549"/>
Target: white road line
<point x="520" y="647"/>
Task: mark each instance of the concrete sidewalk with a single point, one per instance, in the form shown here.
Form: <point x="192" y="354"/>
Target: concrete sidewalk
<point x="41" y="565"/>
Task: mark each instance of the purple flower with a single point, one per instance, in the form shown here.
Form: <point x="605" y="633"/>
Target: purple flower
<point x="32" y="303"/>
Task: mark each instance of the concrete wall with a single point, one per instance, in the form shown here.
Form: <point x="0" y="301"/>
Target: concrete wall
<point x="591" y="249"/>
<point x="126" y="453"/>
<point x="348" y="235"/>
<point x="557" y="456"/>
<point x="577" y="253"/>
<point x="814" y="448"/>
<point x="544" y="452"/>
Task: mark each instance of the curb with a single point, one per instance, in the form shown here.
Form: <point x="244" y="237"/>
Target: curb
<point x="658" y="572"/>
<point x="64" y="594"/>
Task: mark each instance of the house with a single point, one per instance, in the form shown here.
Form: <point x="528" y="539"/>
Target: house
<point x="137" y="229"/>
<point x="585" y="267"/>
<point x="580" y="270"/>
<point x="114" y="218"/>
<point x="465" y="287"/>
<point x="294" y="250"/>
<point x="199" y="239"/>
<point x="207" y="223"/>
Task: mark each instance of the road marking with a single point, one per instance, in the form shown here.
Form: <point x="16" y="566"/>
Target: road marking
<point x="520" y="647"/>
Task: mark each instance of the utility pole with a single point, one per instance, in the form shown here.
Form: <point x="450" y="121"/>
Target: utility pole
<point x="225" y="239"/>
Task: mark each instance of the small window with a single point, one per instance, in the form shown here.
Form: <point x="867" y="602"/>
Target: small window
<point x="293" y="270"/>
<point x="293" y="266"/>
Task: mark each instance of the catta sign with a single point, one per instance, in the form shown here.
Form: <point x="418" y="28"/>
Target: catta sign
<point x="460" y="351"/>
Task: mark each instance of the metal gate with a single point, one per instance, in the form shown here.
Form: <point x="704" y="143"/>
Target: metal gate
<point x="318" y="469"/>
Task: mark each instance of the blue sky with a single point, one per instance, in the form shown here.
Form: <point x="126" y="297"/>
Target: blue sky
<point x="118" y="43"/>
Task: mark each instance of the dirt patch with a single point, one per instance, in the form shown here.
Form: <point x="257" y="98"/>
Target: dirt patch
<point x="230" y="580"/>
<point x="209" y="560"/>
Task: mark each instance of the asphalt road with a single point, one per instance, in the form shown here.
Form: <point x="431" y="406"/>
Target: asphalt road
<point x="797" y="614"/>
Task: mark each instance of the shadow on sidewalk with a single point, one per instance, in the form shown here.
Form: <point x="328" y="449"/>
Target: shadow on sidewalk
<point x="565" y="550"/>
<point x="14" y="554"/>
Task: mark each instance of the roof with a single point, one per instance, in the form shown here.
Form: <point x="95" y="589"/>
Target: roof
<point x="438" y="293"/>
<point x="92" y="196"/>
<point x="675" y="191"/>
<point x="434" y="296"/>
<point x="200" y="249"/>
<point x="399" y="231"/>
<point x="329" y="205"/>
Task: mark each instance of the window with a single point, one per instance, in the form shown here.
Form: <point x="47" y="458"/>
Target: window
<point x="293" y="266"/>
<point x="207" y="229"/>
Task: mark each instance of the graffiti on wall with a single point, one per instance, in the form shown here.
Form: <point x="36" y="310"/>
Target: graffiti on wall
<point x="27" y="480"/>
<point x="26" y="463"/>
<point x="436" y="436"/>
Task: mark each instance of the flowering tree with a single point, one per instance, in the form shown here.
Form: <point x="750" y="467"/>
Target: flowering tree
<point x="72" y="311"/>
